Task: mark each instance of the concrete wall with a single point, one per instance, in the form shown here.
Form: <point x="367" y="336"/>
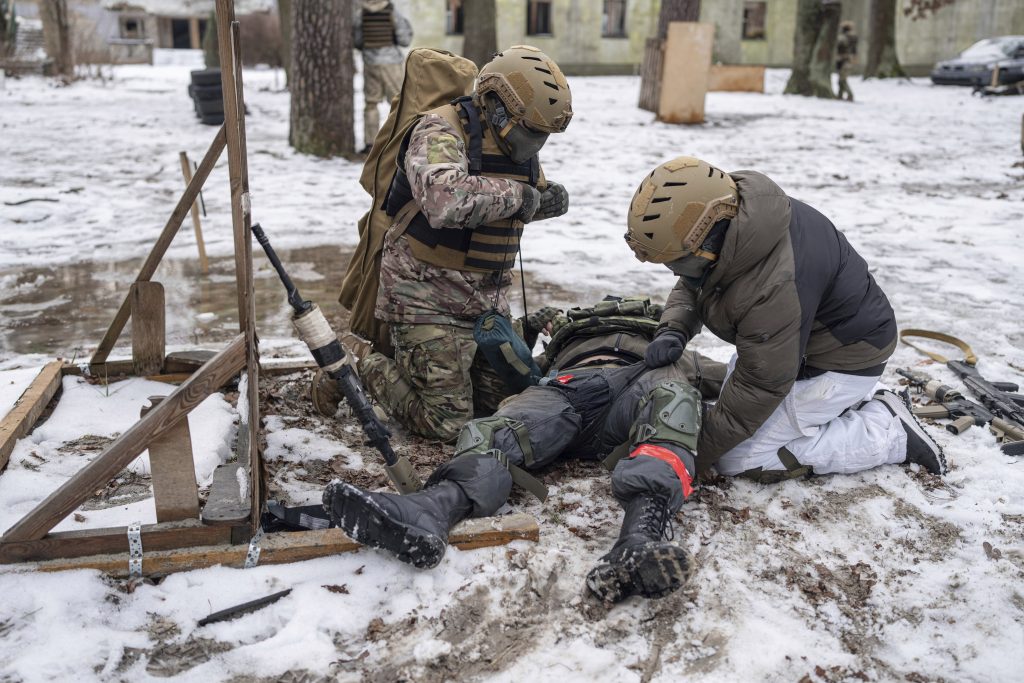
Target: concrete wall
<point x="576" y="43"/>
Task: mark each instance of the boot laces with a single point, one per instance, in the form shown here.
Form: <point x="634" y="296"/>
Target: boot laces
<point x="656" y="519"/>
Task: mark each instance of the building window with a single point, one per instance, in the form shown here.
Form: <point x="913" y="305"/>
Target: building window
<point x="613" y="19"/>
<point x="538" y="17"/>
<point x="753" y="20"/>
<point x="453" y="17"/>
<point x="132" y="28"/>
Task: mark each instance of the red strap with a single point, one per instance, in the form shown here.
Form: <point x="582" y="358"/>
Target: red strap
<point x="665" y="455"/>
<point x="564" y="379"/>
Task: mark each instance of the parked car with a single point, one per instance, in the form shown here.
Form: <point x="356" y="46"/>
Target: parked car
<point x="974" y="65"/>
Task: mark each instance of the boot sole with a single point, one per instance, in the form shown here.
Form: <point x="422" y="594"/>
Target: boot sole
<point x="914" y="429"/>
<point x="652" y="571"/>
<point x="366" y="522"/>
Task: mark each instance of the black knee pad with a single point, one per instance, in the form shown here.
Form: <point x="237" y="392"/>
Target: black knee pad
<point x="484" y="479"/>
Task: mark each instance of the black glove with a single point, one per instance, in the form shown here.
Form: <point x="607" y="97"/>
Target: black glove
<point x="666" y="348"/>
<point x="554" y="201"/>
<point x="531" y="202"/>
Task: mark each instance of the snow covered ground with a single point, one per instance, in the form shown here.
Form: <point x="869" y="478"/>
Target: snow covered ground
<point x="886" y="575"/>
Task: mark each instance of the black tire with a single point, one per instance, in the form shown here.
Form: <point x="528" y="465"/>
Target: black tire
<point x="212" y="119"/>
<point x="206" y="77"/>
<point x="208" y="107"/>
<point x="205" y="92"/>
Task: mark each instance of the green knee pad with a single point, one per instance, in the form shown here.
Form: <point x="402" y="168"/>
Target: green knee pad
<point x="673" y="416"/>
<point x="477" y="437"/>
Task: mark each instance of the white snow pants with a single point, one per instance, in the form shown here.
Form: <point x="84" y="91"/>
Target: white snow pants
<point x="821" y="424"/>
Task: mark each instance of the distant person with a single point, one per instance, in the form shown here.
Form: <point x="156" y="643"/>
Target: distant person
<point x="846" y="55"/>
<point x="380" y="32"/>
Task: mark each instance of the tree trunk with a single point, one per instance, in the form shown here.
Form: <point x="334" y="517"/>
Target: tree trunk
<point x="4" y="28"/>
<point x="882" y="61"/>
<point x="57" y="37"/>
<point x="814" y="42"/>
<point x="322" y="116"/>
<point x="211" y="50"/>
<point x="284" y="15"/>
<point x="480" y="40"/>
<point x="676" y="10"/>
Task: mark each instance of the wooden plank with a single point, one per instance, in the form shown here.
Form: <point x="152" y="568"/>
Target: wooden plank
<point x="241" y="220"/>
<point x="685" y="68"/>
<point x="197" y="225"/>
<point x="229" y="502"/>
<point x="173" y="470"/>
<point x="162" y="243"/>
<point x="149" y="332"/>
<point x="187" y="361"/>
<point x="282" y="547"/>
<point x="178" y="370"/>
<point x="129" y="445"/>
<point x="736" y="78"/>
<point x="20" y="420"/>
<point x="110" y="369"/>
<point x="85" y="542"/>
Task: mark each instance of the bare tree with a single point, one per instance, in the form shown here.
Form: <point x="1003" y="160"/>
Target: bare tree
<point x="882" y="60"/>
<point x="814" y="44"/>
<point x="284" y="13"/>
<point x="5" y="28"/>
<point x="322" y="116"/>
<point x="480" y="40"/>
<point x="57" y="37"/>
<point x="676" y="10"/>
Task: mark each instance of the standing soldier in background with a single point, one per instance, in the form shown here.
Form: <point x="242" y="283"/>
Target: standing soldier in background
<point x="846" y="54"/>
<point x="379" y="31"/>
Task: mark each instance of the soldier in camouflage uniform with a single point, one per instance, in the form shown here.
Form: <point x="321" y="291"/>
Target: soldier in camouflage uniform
<point x="467" y="182"/>
<point x="380" y="32"/>
<point x="603" y="399"/>
<point x="846" y="54"/>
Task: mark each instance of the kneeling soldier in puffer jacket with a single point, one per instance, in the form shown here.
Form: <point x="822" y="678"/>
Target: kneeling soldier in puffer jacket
<point x="599" y="401"/>
<point x="812" y="328"/>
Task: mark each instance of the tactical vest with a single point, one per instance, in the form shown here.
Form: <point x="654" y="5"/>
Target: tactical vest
<point x="620" y="328"/>
<point x="378" y="29"/>
<point x="485" y="248"/>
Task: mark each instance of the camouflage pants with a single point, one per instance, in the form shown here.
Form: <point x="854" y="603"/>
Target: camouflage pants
<point x="381" y="82"/>
<point x="436" y="382"/>
<point x="843" y="69"/>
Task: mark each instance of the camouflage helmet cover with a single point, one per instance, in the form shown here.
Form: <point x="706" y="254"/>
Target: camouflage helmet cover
<point x="531" y="86"/>
<point x="675" y="208"/>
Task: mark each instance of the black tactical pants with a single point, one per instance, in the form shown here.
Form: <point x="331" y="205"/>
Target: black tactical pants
<point x="582" y="413"/>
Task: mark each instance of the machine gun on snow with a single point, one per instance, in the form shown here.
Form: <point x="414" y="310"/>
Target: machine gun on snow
<point x="948" y="403"/>
<point x="313" y="329"/>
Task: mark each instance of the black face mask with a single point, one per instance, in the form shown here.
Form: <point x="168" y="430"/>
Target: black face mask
<point x="690" y="266"/>
<point x="520" y="143"/>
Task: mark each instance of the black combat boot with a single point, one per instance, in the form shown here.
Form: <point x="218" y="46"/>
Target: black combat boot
<point x="641" y="562"/>
<point x="921" y="448"/>
<point x="414" y="527"/>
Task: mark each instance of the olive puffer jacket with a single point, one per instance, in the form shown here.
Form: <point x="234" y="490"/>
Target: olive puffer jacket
<point x="793" y="296"/>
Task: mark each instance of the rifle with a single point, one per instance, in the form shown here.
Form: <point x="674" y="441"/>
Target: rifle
<point x="948" y="403"/>
<point x="313" y="329"/>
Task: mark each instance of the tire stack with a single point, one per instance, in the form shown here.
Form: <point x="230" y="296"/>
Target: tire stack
<point x="207" y="98"/>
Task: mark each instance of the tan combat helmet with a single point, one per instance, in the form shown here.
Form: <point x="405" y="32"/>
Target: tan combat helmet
<point x="675" y="208"/>
<point x="531" y="86"/>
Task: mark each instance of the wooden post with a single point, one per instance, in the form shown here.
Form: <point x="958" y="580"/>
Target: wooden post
<point x="685" y="69"/>
<point x="195" y="41"/>
<point x="129" y="445"/>
<point x="22" y="417"/>
<point x="148" y="327"/>
<point x="160" y="248"/>
<point x="173" y="470"/>
<point x="230" y="50"/>
<point x="197" y="227"/>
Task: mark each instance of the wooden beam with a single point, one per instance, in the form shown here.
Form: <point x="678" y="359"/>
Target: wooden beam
<point x="85" y="542"/>
<point x="282" y="547"/>
<point x="149" y="332"/>
<point x="229" y="502"/>
<point x="20" y="420"/>
<point x="173" y="468"/>
<point x="162" y="243"/>
<point x="178" y="370"/>
<point x="230" y="48"/>
<point x="197" y="225"/>
<point x="129" y="445"/>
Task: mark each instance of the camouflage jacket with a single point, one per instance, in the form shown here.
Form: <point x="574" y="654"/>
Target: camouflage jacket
<point x="412" y="291"/>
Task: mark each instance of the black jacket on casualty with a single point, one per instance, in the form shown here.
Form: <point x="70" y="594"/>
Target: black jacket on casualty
<point x="793" y="296"/>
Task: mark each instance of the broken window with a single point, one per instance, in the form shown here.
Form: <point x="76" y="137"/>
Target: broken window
<point x="132" y="28"/>
<point x="538" y="17"/>
<point x="613" y="19"/>
<point x="753" y="20"/>
<point x="453" y="17"/>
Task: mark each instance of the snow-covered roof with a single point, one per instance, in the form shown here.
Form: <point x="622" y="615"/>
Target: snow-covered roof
<point x="186" y="7"/>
